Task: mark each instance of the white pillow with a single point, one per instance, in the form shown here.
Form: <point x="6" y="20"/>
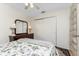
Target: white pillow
<point x="38" y="42"/>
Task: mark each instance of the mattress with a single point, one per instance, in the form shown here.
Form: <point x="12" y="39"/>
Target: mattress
<point x="28" y="47"/>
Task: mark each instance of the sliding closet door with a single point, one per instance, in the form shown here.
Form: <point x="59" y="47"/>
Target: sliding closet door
<point x="45" y="29"/>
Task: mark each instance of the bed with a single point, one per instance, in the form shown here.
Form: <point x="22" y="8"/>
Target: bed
<point x="28" y="47"/>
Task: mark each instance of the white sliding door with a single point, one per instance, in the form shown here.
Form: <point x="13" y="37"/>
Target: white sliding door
<point x="45" y="29"/>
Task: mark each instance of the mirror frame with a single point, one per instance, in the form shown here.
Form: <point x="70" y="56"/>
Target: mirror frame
<point x="21" y="21"/>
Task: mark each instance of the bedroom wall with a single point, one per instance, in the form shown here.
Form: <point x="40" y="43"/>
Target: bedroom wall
<point x="7" y="18"/>
<point x="62" y="26"/>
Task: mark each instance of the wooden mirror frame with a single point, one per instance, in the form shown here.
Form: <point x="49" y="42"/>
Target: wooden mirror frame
<point x="24" y="22"/>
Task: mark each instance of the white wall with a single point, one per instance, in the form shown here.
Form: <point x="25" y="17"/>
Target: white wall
<point x="62" y="26"/>
<point x="7" y="18"/>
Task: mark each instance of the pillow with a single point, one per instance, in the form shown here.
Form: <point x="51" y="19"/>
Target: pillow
<point x="38" y="42"/>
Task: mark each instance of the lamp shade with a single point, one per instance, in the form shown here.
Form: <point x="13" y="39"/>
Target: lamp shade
<point x="13" y="26"/>
<point x="26" y="4"/>
<point x="29" y="27"/>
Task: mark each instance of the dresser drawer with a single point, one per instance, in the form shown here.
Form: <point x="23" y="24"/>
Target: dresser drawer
<point x="13" y="38"/>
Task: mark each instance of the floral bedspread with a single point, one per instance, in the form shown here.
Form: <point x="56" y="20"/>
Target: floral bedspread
<point x="17" y="48"/>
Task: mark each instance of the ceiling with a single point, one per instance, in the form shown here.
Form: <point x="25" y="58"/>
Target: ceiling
<point x="43" y="7"/>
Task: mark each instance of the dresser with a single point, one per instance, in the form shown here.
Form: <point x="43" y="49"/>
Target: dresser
<point x="18" y="36"/>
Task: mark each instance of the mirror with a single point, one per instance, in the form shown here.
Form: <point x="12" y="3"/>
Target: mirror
<point x="21" y="26"/>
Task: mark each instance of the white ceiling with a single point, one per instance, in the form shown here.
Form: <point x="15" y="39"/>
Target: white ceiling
<point x="43" y="7"/>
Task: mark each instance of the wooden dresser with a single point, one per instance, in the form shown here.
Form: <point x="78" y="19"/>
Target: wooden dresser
<point x="18" y="36"/>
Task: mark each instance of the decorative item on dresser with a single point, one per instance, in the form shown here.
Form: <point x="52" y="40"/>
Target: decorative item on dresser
<point x="12" y="28"/>
<point x="23" y="35"/>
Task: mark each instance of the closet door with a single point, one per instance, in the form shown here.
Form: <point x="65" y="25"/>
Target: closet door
<point x="73" y="30"/>
<point x="45" y="29"/>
